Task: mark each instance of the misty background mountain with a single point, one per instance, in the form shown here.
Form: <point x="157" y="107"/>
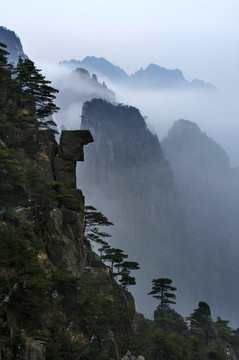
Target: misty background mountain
<point x="153" y="77"/>
<point x="127" y="177"/>
<point x="76" y="87"/>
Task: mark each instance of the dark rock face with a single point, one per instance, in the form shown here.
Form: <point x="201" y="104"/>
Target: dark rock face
<point x="64" y="229"/>
<point x="65" y="172"/>
<point x="126" y="176"/>
<point x="208" y="188"/>
<point x="14" y="46"/>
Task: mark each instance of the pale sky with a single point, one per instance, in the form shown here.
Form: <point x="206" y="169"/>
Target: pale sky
<point x="200" y="37"/>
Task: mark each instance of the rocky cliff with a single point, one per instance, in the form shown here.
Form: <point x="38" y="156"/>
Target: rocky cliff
<point x="57" y="299"/>
<point x="126" y="176"/>
<point x="208" y="188"/>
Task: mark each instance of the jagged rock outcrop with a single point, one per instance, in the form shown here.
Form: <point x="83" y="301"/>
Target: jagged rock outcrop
<point x="205" y="330"/>
<point x="64" y="229"/>
<point x="127" y="177"/>
<point x="71" y="144"/>
<point x="208" y="188"/>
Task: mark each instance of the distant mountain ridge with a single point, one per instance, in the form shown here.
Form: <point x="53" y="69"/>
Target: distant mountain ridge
<point x="153" y="77"/>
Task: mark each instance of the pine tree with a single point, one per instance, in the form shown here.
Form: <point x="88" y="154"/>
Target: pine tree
<point x="35" y="88"/>
<point x="163" y="291"/>
<point x="12" y="176"/>
<point x="114" y="257"/>
<point x="92" y="220"/>
<point x="127" y="280"/>
<point x="4" y="65"/>
<point x="5" y="79"/>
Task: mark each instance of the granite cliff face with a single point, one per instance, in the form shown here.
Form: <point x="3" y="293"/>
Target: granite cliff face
<point x="208" y="188"/>
<point x="126" y="176"/>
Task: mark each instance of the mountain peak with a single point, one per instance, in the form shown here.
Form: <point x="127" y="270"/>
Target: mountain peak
<point x="155" y="76"/>
<point x="185" y="126"/>
<point x="105" y="67"/>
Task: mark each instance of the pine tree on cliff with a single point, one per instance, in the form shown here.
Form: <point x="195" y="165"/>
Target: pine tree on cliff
<point x="163" y="291"/>
<point x="92" y="220"/>
<point x="114" y="256"/>
<point x="5" y="78"/>
<point x="125" y="268"/>
<point x="33" y="86"/>
<point x="4" y="65"/>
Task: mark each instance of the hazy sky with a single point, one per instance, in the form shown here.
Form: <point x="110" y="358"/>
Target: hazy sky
<point x="200" y="37"/>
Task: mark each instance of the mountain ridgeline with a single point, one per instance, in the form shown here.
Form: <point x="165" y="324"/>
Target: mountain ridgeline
<point x="126" y="175"/>
<point x="153" y="77"/>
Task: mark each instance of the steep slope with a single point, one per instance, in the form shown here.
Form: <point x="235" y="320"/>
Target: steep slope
<point x="209" y="190"/>
<point x="14" y="46"/>
<point x="126" y="176"/>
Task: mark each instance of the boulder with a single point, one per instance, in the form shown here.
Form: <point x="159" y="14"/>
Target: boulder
<point x="72" y="143"/>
